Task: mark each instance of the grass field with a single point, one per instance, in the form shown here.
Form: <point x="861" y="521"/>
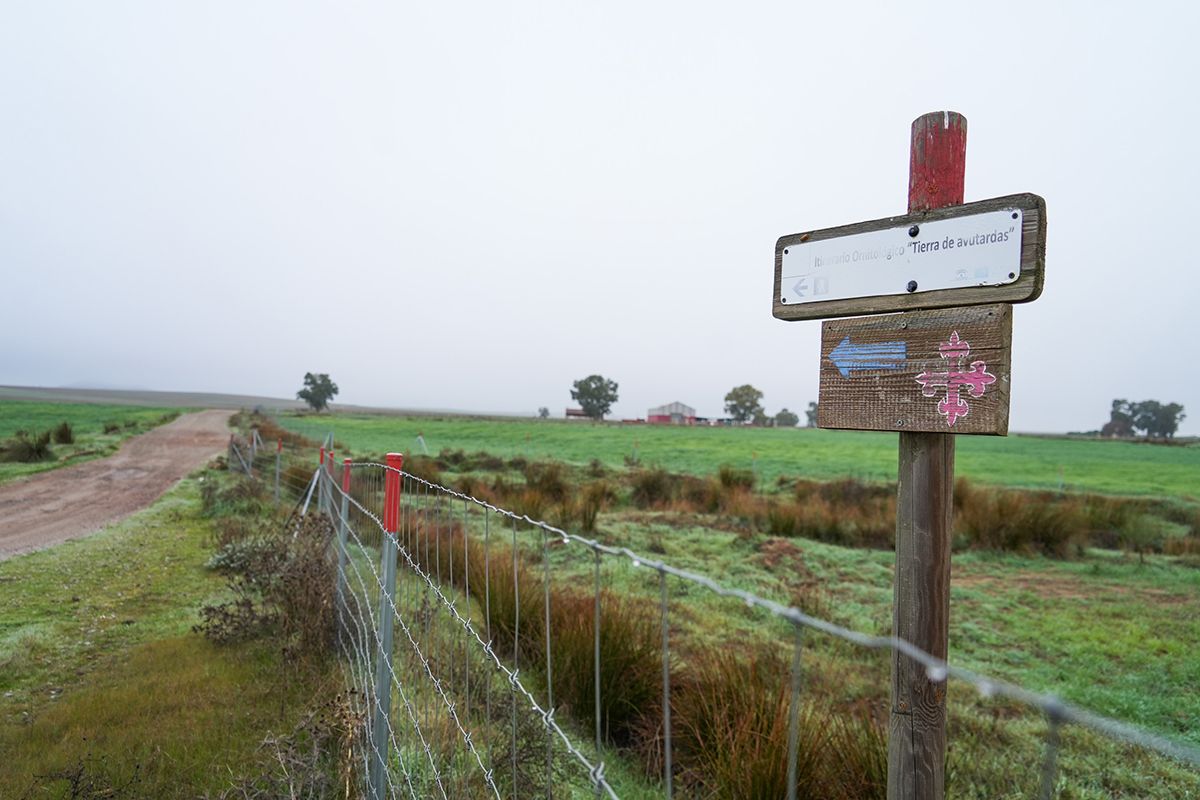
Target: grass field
<point x="101" y="676"/>
<point x="1121" y="468"/>
<point x="88" y="422"/>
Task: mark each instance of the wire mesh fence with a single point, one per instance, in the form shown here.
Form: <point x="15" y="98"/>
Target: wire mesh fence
<point x="491" y="654"/>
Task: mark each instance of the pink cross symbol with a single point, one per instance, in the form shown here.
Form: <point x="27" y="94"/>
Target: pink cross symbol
<point x="976" y="380"/>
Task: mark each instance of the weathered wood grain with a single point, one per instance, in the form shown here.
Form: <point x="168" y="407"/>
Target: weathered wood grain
<point x="892" y="399"/>
<point x="921" y="615"/>
<point x="1026" y="288"/>
<point x="921" y="588"/>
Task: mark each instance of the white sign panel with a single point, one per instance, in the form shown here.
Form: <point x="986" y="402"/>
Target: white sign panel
<point x="976" y="250"/>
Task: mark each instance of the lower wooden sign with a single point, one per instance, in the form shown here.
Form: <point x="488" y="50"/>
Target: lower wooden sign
<point x="942" y="371"/>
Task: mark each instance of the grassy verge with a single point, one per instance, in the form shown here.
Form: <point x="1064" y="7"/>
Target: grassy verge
<point x="97" y="429"/>
<point x="102" y="681"/>
<point x="1109" y="467"/>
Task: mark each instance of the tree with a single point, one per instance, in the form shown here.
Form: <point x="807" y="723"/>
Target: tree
<point x="544" y="412"/>
<point x="1155" y="419"/>
<point x="743" y="403"/>
<point x="1120" y="420"/>
<point x="810" y="415"/>
<point x="595" y="395"/>
<point x="318" y="391"/>
<point x="786" y="419"/>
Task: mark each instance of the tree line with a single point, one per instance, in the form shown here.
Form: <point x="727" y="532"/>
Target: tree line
<point x="596" y="394"/>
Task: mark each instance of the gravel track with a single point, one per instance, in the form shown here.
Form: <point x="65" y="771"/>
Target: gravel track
<point x="52" y="507"/>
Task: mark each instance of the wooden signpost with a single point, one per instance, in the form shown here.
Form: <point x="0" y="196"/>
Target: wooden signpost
<point x="941" y="368"/>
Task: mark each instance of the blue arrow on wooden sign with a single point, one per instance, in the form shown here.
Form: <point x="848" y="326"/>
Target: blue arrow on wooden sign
<point x="849" y="357"/>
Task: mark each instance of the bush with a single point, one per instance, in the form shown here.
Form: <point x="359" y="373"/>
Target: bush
<point x="630" y="662"/>
<point x="731" y="720"/>
<point x="112" y="427"/>
<point x="1020" y="521"/>
<point x="732" y="478"/>
<point x="549" y="480"/>
<point x="27" y="449"/>
<point x="653" y="488"/>
<point x="64" y="434"/>
<point x="596" y="496"/>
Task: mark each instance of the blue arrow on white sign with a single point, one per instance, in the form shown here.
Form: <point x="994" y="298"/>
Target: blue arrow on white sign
<point x="849" y="357"/>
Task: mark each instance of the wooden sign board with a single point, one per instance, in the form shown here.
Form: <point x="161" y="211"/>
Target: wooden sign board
<point x="941" y="371"/>
<point x="993" y="251"/>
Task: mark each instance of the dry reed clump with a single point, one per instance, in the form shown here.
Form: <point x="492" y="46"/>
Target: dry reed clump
<point x="1019" y="521"/>
<point x="64" y="433"/>
<point x="25" y="448"/>
<point x="730" y="734"/>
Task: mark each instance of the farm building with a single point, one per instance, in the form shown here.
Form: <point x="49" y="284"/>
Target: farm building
<point x="672" y="414"/>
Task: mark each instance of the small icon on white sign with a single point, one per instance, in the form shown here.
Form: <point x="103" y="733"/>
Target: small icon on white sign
<point x="820" y="285"/>
<point x="801" y="287"/>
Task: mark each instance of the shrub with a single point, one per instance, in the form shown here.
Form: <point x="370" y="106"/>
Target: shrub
<point x="653" y="487"/>
<point x="630" y="662"/>
<point x="112" y="427"/>
<point x="64" y="433"/>
<point x="1021" y="521"/>
<point x="596" y="496"/>
<point x="27" y="449"/>
<point x="732" y="478"/>
<point x="548" y="479"/>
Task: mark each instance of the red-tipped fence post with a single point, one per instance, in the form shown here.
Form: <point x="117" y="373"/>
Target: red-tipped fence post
<point x="342" y="528"/>
<point x="383" y="663"/>
<point x="921" y="593"/>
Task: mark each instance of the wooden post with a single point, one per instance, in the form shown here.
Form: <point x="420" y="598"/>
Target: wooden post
<point x="921" y="597"/>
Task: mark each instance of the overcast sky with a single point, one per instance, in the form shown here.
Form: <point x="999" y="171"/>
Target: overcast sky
<point x="470" y="206"/>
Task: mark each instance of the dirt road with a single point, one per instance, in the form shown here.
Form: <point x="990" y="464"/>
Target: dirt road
<point x="68" y="503"/>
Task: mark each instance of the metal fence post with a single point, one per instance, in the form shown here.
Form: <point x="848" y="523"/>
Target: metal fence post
<point x="343" y="525"/>
<point x="229" y="455"/>
<point x="383" y="662"/>
<point x="278" y="460"/>
<point x="321" y="482"/>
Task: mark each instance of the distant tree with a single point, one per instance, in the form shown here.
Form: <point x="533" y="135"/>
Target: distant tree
<point x="1120" y="420"/>
<point x="810" y="415"/>
<point x="761" y="419"/>
<point x="1153" y="418"/>
<point x="318" y="391"/>
<point x="544" y="412"/>
<point x="786" y="419"/>
<point x="595" y="395"/>
<point x="744" y="403"/>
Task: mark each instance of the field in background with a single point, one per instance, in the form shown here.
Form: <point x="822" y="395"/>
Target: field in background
<point x="1121" y="468"/>
<point x="88" y="422"/>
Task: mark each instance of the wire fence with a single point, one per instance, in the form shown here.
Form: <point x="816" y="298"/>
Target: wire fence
<point x="473" y="675"/>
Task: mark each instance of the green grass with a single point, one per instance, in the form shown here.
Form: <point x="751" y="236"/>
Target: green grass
<point x="1107" y="632"/>
<point x="98" y="665"/>
<point x="1121" y="468"/>
<point x="88" y="421"/>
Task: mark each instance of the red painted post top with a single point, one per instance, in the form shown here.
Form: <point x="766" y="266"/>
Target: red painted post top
<point x="322" y="462"/>
<point x="937" y="163"/>
<point x="391" y="493"/>
<point x="279" y="446"/>
<point x="346" y="474"/>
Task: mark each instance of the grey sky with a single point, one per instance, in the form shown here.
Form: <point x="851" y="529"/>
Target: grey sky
<point x="469" y="206"/>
